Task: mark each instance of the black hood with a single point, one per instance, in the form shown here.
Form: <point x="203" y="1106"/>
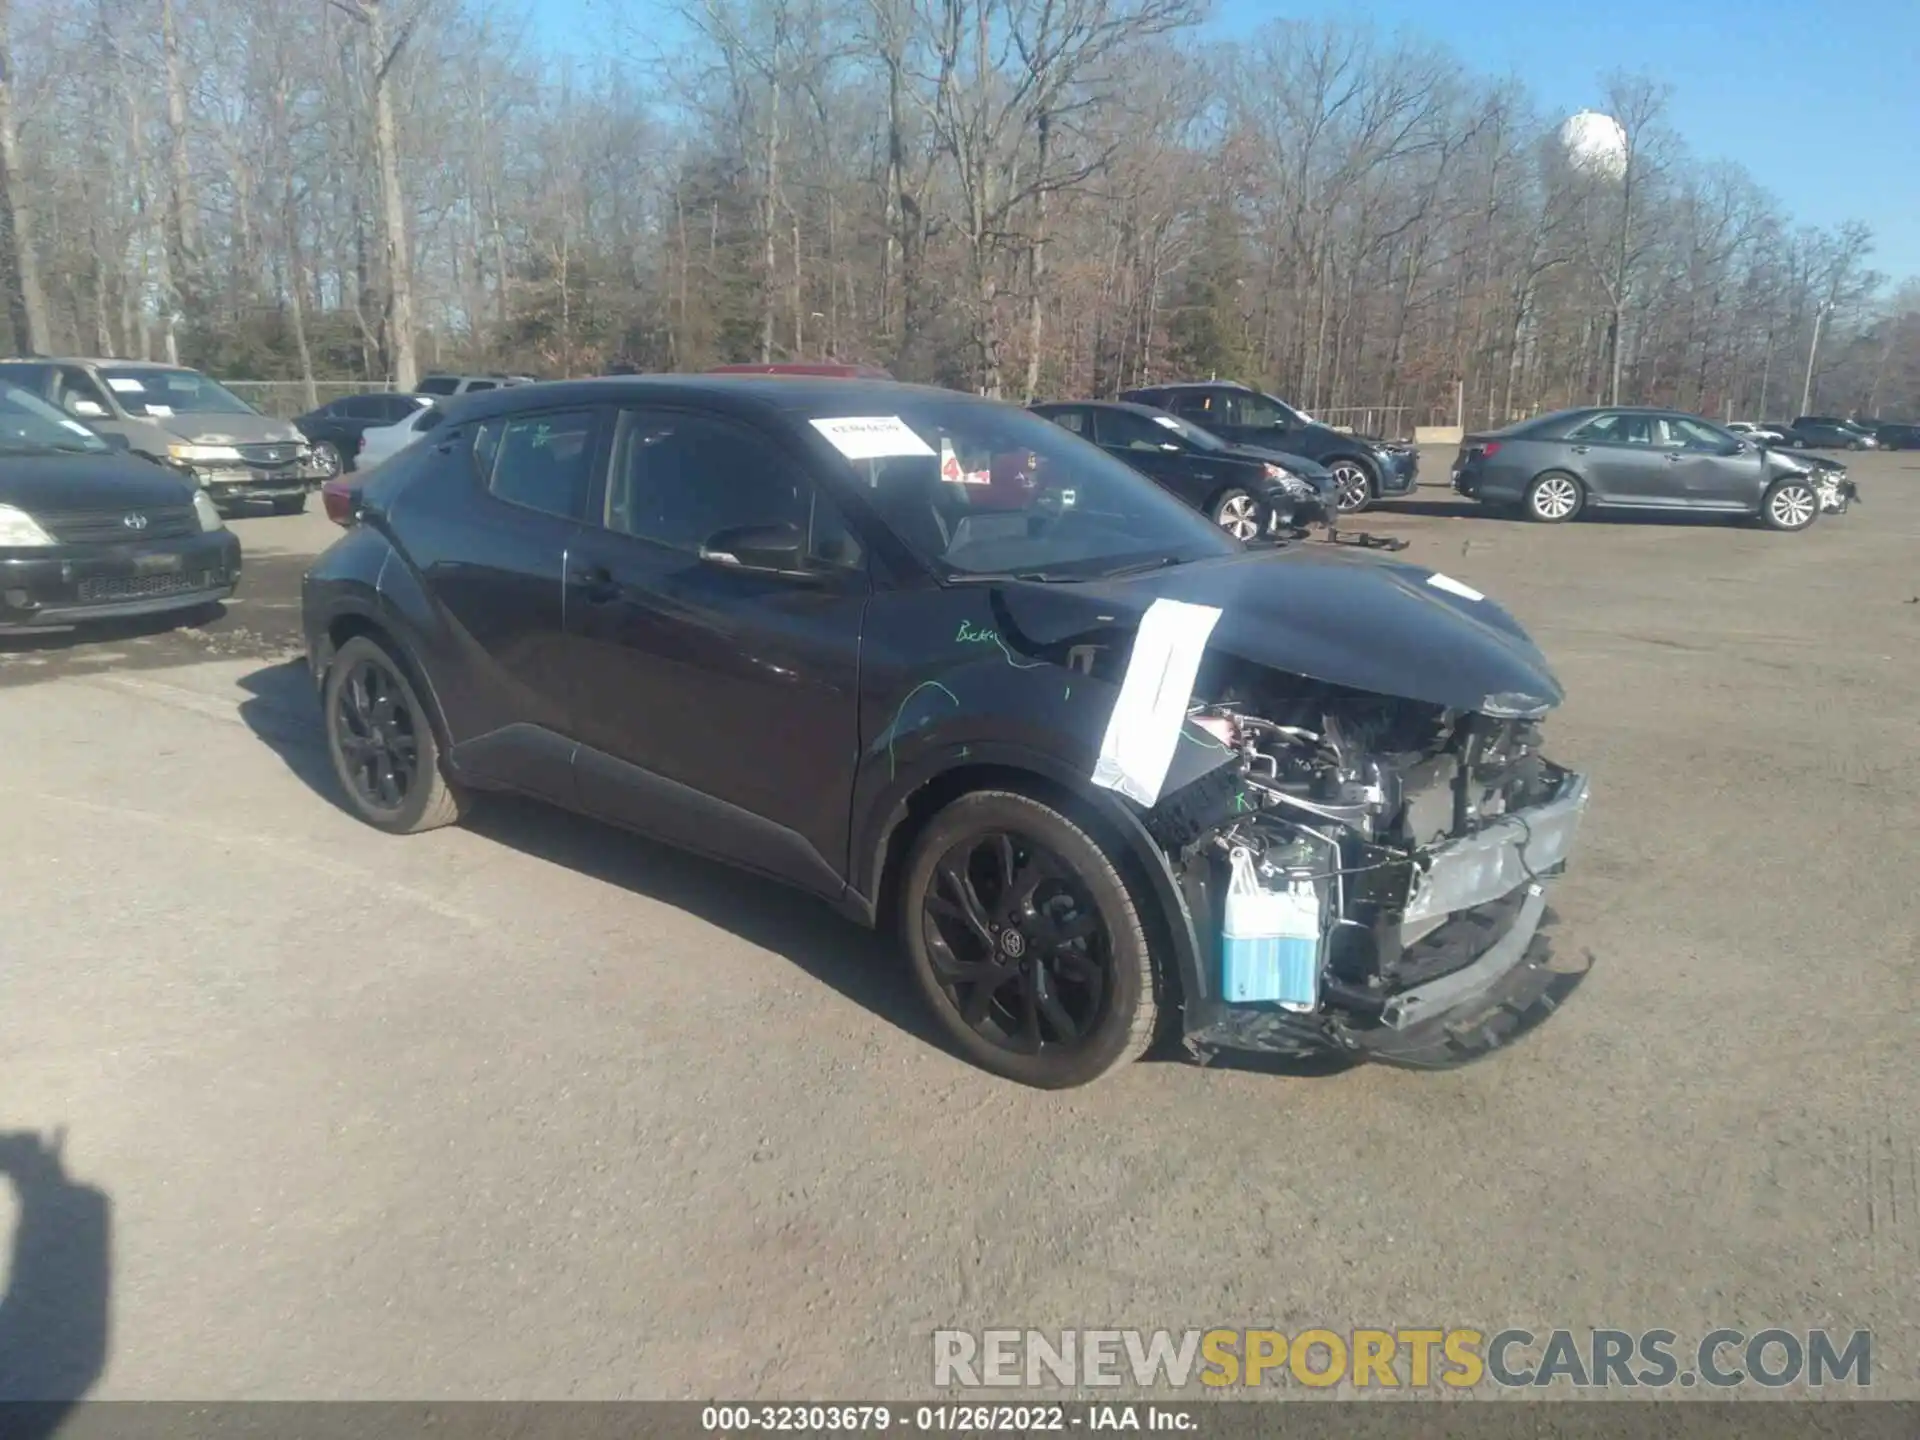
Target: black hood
<point x="1345" y="617"/>
<point x="55" y="483"/>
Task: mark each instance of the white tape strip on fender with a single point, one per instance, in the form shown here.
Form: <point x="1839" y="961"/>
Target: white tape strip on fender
<point x="871" y="437"/>
<point x="1154" y="694"/>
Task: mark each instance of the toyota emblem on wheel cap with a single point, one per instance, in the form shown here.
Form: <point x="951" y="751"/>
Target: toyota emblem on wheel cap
<point x="134" y="521"/>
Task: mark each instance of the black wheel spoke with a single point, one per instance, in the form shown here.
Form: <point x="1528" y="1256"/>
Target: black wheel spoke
<point x="1029" y="1018"/>
<point x="970" y="909"/>
<point x="1003" y="858"/>
<point x="979" y="1002"/>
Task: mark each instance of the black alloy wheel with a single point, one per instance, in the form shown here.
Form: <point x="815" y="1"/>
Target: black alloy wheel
<point x="1027" y="943"/>
<point x="382" y="744"/>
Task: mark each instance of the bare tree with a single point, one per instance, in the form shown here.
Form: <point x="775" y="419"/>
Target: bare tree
<point x="26" y="300"/>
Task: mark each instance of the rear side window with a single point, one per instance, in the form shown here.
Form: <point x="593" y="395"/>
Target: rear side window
<point x="476" y="385"/>
<point x="438" y="385"/>
<point x="361" y="407"/>
<point x="542" y="462"/>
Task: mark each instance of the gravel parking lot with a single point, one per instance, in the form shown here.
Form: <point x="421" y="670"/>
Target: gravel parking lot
<point x="536" y="1109"/>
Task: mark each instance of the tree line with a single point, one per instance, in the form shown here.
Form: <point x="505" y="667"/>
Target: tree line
<point x="1027" y="198"/>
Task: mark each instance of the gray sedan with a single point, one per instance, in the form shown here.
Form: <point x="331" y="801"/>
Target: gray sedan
<point x="1553" y="467"/>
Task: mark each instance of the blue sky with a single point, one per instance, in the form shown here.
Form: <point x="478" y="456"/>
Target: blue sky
<point x="1821" y="104"/>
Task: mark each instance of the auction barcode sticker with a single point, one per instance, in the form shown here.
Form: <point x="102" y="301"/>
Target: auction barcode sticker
<point x="871" y="437"/>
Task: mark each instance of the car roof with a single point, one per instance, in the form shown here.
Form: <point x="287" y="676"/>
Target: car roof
<point x="805" y="395"/>
<point x="845" y="370"/>
<point x="91" y="360"/>
<point x="1133" y="407"/>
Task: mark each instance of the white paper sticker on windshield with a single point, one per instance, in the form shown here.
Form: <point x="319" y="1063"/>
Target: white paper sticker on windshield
<point x="1453" y="586"/>
<point x="160" y="410"/>
<point x="123" y="385"/>
<point x="77" y="428"/>
<point x="1168" y="421"/>
<point x="871" y="437"/>
<point x="1144" y="728"/>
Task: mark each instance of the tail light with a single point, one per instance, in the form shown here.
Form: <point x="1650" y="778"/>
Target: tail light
<point x="338" y="499"/>
<point x="1490" y="449"/>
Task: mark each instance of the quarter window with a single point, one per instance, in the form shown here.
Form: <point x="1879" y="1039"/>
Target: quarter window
<point x="543" y="461"/>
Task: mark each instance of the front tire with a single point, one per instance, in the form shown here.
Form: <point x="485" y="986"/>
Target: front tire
<point x="1555" y="498"/>
<point x="1354" y="487"/>
<point x="1238" y="513"/>
<point x="327" y="455"/>
<point x="1790" y="504"/>
<point x="1026" y="942"/>
<point x="382" y="743"/>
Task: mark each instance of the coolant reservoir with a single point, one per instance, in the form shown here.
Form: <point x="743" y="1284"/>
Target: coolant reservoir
<point x="1272" y="939"/>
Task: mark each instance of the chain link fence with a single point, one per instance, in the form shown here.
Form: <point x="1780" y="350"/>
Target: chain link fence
<point x="285" y="399"/>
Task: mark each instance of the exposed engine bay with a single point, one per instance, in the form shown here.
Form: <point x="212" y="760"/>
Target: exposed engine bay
<point x="1424" y="836"/>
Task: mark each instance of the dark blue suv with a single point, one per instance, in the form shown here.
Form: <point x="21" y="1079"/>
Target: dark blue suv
<point x="1363" y="468"/>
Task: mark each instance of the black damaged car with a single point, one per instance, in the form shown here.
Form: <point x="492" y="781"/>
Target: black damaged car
<point x="89" y="532"/>
<point x="956" y="671"/>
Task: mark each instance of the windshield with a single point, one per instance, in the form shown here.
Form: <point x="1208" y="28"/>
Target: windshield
<point x="979" y="489"/>
<point x="30" y="426"/>
<point x="159" y="393"/>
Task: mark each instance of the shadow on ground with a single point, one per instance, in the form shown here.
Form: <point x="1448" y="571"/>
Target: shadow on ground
<point x="1473" y="510"/>
<point x="54" y="1316"/>
<point x="283" y="712"/>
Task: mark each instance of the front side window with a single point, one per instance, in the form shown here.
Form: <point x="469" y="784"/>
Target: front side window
<point x="1074" y="420"/>
<point x="542" y="462"/>
<point x="1261" y="413"/>
<point x="76" y="394"/>
<point x="679" y="480"/>
<point x="1613" y="429"/>
<point x="1124" y="430"/>
<point x="156" y="391"/>
<point x="1690" y="434"/>
<point x="979" y="488"/>
<point x="30" y="426"/>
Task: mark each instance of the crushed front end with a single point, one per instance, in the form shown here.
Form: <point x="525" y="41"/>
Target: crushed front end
<point x="1426" y="840"/>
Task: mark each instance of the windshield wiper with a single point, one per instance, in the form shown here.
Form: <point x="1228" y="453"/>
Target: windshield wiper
<point x="1007" y="577"/>
<point x="1141" y="567"/>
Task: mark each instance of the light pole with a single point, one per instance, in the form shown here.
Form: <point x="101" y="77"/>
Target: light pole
<point x="1806" y="391"/>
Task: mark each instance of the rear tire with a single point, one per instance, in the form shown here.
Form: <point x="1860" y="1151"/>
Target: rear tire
<point x="1555" y="498"/>
<point x="1026" y="942"/>
<point x="380" y="737"/>
<point x="1790" y="504"/>
<point x="327" y="456"/>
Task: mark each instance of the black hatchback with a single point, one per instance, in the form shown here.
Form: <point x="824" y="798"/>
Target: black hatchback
<point x="89" y="532"/>
<point x="1244" y="491"/>
<point x="954" y="670"/>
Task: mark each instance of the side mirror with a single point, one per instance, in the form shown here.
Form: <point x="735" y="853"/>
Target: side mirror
<point x="779" y="549"/>
<point x="88" y="409"/>
<point x="117" y="442"/>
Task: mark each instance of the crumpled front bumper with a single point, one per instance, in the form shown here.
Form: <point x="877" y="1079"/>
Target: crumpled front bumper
<point x="1837" y="493"/>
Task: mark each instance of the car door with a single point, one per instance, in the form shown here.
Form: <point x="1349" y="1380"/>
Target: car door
<point x="1154" y="451"/>
<point x="1616" y="455"/>
<point x="490" y="539"/>
<point x="1715" y="470"/>
<point x="717" y="700"/>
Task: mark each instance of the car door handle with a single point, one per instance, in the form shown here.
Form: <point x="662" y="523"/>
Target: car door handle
<point x="1580" y="449"/>
<point x="1674" y="458"/>
<point x="596" y="583"/>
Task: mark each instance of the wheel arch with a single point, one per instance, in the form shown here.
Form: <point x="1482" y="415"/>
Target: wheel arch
<point x="1141" y="863"/>
<point x="354" y="621"/>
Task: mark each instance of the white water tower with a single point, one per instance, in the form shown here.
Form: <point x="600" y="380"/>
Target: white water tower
<point x="1595" y="144"/>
